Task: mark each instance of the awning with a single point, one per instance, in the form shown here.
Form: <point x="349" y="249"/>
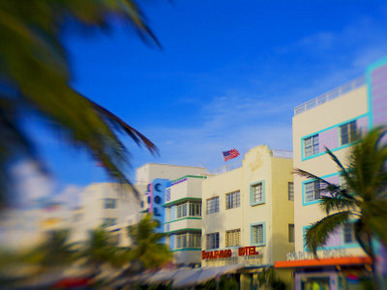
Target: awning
<point x="167" y="275"/>
<point x="323" y="262"/>
<point x="202" y="275"/>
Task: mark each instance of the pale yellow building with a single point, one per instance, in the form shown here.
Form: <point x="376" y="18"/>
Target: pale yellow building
<point x="248" y="214"/>
<point x="328" y="124"/>
<point x="331" y="121"/>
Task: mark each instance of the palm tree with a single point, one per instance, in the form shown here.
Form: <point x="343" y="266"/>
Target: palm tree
<point x="100" y="250"/>
<point x="54" y="252"/>
<point x="362" y="196"/>
<point x="35" y="78"/>
<point x="146" y="245"/>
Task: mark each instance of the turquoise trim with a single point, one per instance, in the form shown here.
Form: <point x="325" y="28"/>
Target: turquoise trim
<point x="188" y="176"/>
<point x="263" y="234"/>
<point x="369" y="97"/>
<point x="252" y="203"/>
<point x="370" y="68"/>
<point x="304" y="203"/>
<point x="187" y="249"/>
<point x="303" y="158"/>
<point x="346" y="246"/>
<point x="184" y="218"/>
<point x="184" y="230"/>
<point x="167" y="204"/>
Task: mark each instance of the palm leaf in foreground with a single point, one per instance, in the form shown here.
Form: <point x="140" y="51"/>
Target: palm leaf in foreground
<point x="362" y="196"/>
<point x="35" y="78"/>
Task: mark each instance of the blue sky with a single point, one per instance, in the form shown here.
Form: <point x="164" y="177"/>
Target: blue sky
<point x="228" y="76"/>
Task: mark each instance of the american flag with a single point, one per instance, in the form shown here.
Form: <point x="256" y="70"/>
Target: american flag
<point x="230" y="154"/>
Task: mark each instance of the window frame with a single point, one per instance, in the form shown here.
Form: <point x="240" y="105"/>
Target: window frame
<point x="211" y="209"/>
<point x="291" y="233"/>
<point x="252" y="193"/>
<point x="229" y="235"/>
<point x="291" y="192"/>
<point x="109" y="203"/>
<point x="315" y="192"/>
<point x="233" y="199"/>
<point x="195" y="209"/>
<point x="212" y="237"/>
<point x="350" y="130"/>
<point x="314" y="146"/>
<point x="353" y="237"/>
<point x="252" y="236"/>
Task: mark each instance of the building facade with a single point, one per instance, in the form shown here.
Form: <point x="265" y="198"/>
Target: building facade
<point x="104" y="204"/>
<point x="183" y="204"/>
<point x="248" y="214"/>
<point x="152" y="180"/>
<point x="332" y="121"/>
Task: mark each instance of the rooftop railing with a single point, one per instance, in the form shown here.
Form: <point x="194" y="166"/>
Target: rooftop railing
<point x="333" y="94"/>
<point x="282" y="153"/>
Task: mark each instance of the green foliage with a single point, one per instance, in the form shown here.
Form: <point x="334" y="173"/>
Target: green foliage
<point x="363" y="194"/>
<point x="267" y="277"/>
<point x="35" y="78"/>
<point x="55" y="251"/>
<point x="228" y="283"/>
<point x="101" y="250"/>
<point x="146" y="244"/>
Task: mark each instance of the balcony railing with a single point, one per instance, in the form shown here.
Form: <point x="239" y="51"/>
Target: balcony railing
<point x="333" y="94"/>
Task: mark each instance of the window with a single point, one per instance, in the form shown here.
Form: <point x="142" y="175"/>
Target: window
<point x="110" y="203"/>
<point x="168" y="214"/>
<point x="181" y="241"/>
<point x="212" y="241"/>
<point x="348" y="133"/>
<point x="257" y="193"/>
<point x="312" y="191"/>
<point x="233" y="199"/>
<point x="188" y="209"/>
<point x="181" y="210"/>
<point x="233" y="238"/>
<point x="195" y="240"/>
<point x="109" y="222"/>
<point x="213" y="205"/>
<point x="195" y="209"/>
<point x="290" y="191"/>
<point x="349" y="233"/>
<point x="311" y="146"/>
<point x="258" y="234"/>
<point x="291" y="233"/>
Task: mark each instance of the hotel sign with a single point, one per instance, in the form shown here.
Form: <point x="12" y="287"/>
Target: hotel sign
<point x="326" y="253"/>
<point x="221" y="254"/>
<point x="212" y="255"/>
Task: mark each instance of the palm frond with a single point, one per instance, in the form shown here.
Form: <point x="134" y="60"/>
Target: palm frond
<point x="309" y="175"/>
<point x="334" y="203"/>
<point x="361" y="236"/>
<point x="317" y="235"/>
<point x="343" y="171"/>
<point x="35" y="72"/>
<point x="115" y="121"/>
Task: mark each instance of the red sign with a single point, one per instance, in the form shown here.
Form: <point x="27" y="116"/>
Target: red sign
<point x="242" y="251"/>
<point x="247" y="251"/>
<point x="216" y="254"/>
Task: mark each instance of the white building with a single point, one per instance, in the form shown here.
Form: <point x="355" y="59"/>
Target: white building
<point x="105" y="204"/>
<point x="183" y="204"/>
